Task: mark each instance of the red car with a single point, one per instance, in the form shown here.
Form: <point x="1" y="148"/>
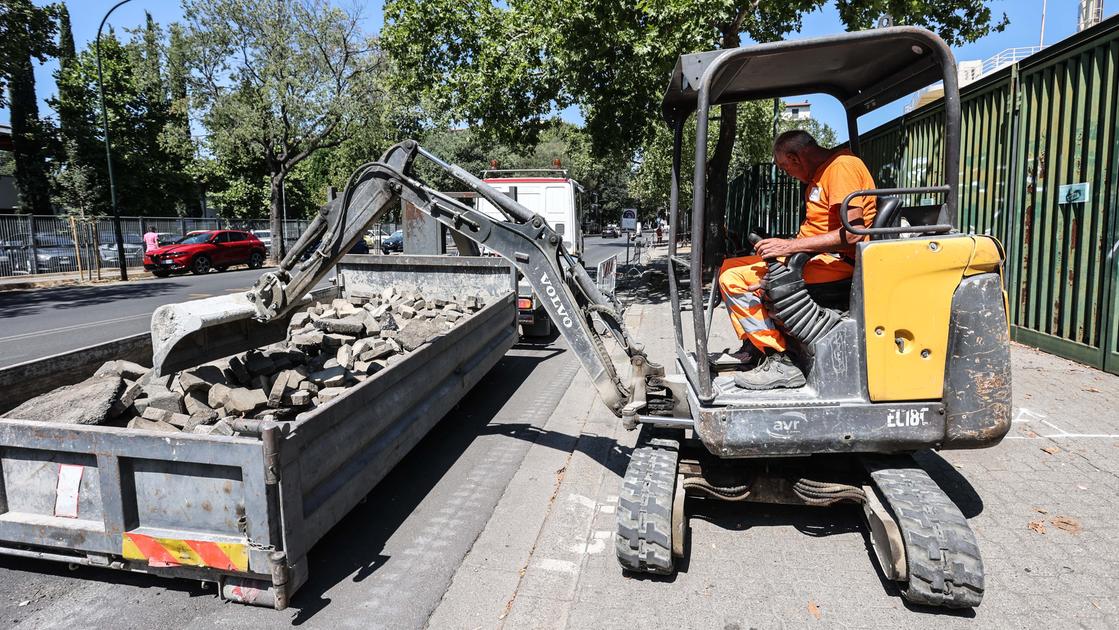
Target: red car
<point x="199" y="253"/>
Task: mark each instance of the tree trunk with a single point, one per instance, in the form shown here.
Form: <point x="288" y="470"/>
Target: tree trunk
<point x="718" y="167"/>
<point x="276" y="216"/>
<point x="27" y="140"/>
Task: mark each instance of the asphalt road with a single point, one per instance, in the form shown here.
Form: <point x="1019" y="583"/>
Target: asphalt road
<point x="596" y="249"/>
<point x="41" y="322"/>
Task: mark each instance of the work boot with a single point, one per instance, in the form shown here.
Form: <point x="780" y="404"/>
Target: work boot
<point x="777" y="370"/>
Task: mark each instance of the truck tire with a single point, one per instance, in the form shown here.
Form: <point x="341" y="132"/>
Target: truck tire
<point x="643" y="539"/>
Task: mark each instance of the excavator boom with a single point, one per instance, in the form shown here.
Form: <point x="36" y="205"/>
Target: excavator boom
<point x="191" y="333"/>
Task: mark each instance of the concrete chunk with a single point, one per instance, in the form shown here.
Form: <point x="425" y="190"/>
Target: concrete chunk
<point x="201" y="378"/>
<point x="221" y="427"/>
<point x="218" y="395"/>
<point x="343" y="307"/>
<point x="243" y="401"/>
<point x="127" y="398"/>
<point x="124" y="369"/>
<point x="345" y="356"/>
<point x="240" y="370"/>
<point x="88" y="402"/>
<point x="330" y="393"/>
<point x="378" y="351"/>
<point x="300" y="319"/>
<point x="329" y="377"/>
<point x="299" y="398"/>
<point x="418" y="332"/>
<point x="372" y="325"/>
<point x="349" y="325"/>
<point x="257" y="364"/>
<point x="163" y="398"/>
<point x="151" y="425"/>
<point x="333" y="341"/>
<point x="308" y="341"/>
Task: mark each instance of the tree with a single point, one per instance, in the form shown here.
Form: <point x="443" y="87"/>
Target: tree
<point x="289" y="77"/>
<point x="507" y="64"/>
<point x="151" y="179"/>
<point x="26" y="34"/>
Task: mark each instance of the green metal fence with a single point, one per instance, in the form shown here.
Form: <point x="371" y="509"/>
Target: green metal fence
<point x="764" y="198"/>
<point x="1039" y="171"/>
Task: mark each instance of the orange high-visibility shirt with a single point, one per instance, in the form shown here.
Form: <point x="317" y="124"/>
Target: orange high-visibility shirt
<point x="839" y="176"/>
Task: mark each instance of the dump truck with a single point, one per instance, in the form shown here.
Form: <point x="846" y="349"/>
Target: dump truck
<point x="243" y="510"/>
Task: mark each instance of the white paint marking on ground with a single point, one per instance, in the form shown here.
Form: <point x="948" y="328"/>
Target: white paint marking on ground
<point x="606" y="509"/>
<point x="40" y="333"/>
<point x="1054" y="427"/>
<point x="586" y="502"/>
<point x="559" y="566"/>
<point x="1025" y="415"/>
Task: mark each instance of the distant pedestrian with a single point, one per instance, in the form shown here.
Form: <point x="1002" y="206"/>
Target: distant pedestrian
<point x="151" y="240"/>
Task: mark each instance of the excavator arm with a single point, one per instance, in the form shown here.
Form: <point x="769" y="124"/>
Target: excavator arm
<point x="190" y="333"/>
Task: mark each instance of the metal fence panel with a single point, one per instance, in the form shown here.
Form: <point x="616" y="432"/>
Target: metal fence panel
<point x="69" y="244"/>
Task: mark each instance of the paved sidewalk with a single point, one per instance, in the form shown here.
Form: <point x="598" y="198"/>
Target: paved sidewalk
<point x="1044" y="505"/>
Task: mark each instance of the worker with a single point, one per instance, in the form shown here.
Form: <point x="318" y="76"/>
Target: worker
<point x="829" y="176"/>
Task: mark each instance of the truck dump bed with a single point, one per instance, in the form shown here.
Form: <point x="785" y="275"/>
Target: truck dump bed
<point x="240" y="511"/>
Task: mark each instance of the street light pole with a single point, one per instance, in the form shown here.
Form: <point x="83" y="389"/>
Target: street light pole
<point x="108" y="150"/>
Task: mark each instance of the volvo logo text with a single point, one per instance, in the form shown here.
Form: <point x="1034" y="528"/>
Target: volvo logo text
<point x="553" y="296"/>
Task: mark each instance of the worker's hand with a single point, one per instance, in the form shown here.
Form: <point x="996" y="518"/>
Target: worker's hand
<point x="775" y="247"/>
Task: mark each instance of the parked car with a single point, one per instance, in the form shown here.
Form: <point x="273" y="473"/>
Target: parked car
<point x="212" y="249"/>
<point x="610" y="231"/>
<point x="394" y="243"/>
<point x="265" y="237"/>
<point x="52" y="252"/>
<point x="133" y="249"/>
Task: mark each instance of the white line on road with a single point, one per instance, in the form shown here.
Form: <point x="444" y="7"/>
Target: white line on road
<point x="40" y="333"/>
<point x="1061" y="436"/>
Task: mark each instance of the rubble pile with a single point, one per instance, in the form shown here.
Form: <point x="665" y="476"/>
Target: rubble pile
<point x="330" y="347"/>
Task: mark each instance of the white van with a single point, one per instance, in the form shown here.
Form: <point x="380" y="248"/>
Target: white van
<point x="559" y="199"/>
<point x="547" y="192"/>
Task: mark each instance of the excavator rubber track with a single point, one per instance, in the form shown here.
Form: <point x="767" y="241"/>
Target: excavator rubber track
<point x="945" y="568"/>
<point x="643" y="539"/>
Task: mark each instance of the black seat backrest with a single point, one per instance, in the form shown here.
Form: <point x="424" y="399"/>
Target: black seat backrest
<point x="891" y="212"/>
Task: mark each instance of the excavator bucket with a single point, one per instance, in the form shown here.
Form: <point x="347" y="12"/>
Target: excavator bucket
<point x="188" y="334"/>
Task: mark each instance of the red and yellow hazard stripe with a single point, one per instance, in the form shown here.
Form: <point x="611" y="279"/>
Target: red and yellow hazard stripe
<point x="169" y="552"/>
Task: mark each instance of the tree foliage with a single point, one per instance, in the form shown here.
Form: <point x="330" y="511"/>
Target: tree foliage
<point x="507" y="65"/>
<point x="26" y="36"/>
<point x="284" y="77"/>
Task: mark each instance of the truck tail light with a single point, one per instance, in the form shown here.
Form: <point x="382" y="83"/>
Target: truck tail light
<point x="524" y="304"/>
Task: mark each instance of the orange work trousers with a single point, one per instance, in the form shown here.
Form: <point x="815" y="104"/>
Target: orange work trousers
<point x="747" y="312"/>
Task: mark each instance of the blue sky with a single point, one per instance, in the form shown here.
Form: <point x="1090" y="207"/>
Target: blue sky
<point x="1024" y="30"/>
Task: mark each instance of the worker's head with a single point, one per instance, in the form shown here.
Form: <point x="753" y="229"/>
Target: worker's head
<point x="797" y="153"/>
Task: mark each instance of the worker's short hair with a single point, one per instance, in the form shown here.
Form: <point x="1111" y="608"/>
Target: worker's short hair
<point x="793" y="141"/>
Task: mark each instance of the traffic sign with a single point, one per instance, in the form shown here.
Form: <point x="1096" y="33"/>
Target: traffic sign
<point x="629" y="219"/>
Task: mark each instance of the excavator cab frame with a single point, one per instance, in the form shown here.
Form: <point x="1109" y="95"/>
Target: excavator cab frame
<point x="863" y="70"/>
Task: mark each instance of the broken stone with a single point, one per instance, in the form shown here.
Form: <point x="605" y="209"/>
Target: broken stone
<point x="452" y="316"/>
<point x="372" y="326"/>
<point x="367" y="368"/>
<point x="329" y="377"/>
<point x="330" y="393"/>
<point x="381" y="310"/>
<point x="350" y="325"/>
<point x="300" y="319"/>
<point x="88" y="402"/>
<point x="343" y="307"/>
<point x="418" y="332"/>
<point x="429" y="313"/>
<point x="124" y="369"/>
<point x="407" y="312"/>
<point x="201" y="378"/>
<point x="333" y="341"/>
<point x="217" y="396"/>
<point x="196" y="402"/>
<point x="308" y="342"/>
<point x="332" y="362"/>
<point x="257" y="364"/>
<point x="221" y="427"/>
<point x="163" y="398"/>
<point x="388" y="293"/>
<point x="242" y="401"/>
<point x="378" y="351"/>
<point x="127" y="397"/>
<point x="151" y="425"/>
<point x="389" y="323"/>
<point x="420" y="304"/>
<point x="300" y="398"/>
<point x="345" y="356"/>
<point x="439" y="303"/>
<point x="279" y="388"/>
<point x="240" y="370"/>
<point x="162" y="415"/>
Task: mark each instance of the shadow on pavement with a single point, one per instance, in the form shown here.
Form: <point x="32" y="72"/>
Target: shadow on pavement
<point x="31" y="302"/>
<point x="387" y="507"/>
